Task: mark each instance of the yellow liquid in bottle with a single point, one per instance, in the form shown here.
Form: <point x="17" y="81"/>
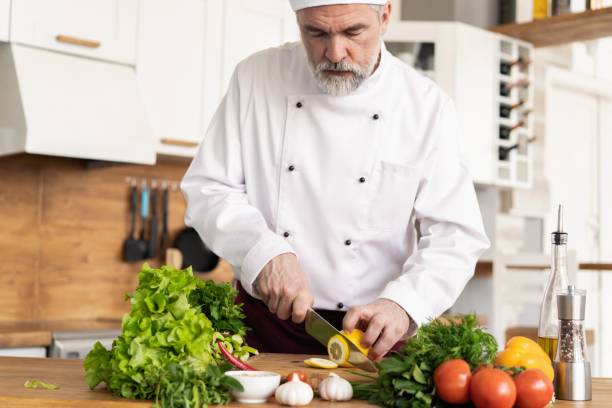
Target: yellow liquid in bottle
<point x="540" y="9"/>
<point x="549" y="345"/>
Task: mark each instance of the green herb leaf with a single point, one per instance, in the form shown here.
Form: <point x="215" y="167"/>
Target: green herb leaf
<point x="418" y="375"/>
<point x="97" y="365"/>
<point x="40" y="384"/>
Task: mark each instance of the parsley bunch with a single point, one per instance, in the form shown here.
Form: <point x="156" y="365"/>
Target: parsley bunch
<point x="406" y="379"/>
<point x="216" y="300"/>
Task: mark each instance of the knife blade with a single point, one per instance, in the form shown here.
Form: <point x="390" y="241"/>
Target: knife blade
<point x="322" y="331"/>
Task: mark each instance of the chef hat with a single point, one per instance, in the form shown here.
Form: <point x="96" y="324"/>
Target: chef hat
<point x="302" y="4"/>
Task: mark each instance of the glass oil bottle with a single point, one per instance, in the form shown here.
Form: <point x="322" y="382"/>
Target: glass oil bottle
<point x="548" y="330"/>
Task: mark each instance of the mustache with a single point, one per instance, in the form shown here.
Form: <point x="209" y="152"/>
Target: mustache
<point x="339" y="66"/>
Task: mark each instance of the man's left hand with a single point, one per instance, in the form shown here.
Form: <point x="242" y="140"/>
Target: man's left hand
<point x="385" y="323"/>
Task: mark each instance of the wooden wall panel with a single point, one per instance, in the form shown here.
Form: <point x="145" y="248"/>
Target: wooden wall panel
<point x="83" y="276"/>
<point x="19" y="240"/>
<point x="62" y="228"/>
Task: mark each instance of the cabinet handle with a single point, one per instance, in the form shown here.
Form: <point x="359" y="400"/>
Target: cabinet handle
<point x="181" y="143"/>
<point x="77" y="41"/>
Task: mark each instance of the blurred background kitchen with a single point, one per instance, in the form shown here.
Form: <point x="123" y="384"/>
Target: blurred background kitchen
<point x="104" y="102"/>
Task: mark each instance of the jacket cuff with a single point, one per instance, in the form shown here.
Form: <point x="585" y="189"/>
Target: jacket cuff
<point x="258" y="256"/>
<point x="414" y="305"/>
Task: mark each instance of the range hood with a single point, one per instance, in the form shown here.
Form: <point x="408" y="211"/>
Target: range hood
<point x="62" y="105"/>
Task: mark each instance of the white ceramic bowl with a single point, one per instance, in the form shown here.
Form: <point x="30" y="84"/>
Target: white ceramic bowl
<point x="258" y="385"/>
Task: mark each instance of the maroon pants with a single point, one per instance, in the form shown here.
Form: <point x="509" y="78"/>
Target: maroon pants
<point x="269" y="334"/>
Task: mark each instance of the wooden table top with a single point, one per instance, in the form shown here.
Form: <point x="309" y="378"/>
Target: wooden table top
<point x="73" y="392"/>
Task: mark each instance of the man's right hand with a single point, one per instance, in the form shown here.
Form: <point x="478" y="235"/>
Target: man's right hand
<point x="283" y="287"/>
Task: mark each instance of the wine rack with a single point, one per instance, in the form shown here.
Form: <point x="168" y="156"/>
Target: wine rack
<point x="490" y="78"/>
<point x="515" y="119"/>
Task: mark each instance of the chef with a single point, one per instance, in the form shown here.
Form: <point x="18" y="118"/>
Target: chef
<point x="331" y="176"/>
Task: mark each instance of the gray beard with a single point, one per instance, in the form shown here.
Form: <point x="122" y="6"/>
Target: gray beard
<point x="342" y="85"/>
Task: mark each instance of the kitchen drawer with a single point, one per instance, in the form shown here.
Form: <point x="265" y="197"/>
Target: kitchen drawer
<point x="24" y="352"/>
<point x="103" y="29"/>
<point x="79" y="344"/>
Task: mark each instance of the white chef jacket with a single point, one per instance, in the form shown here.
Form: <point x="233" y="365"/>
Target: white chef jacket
<point x="368" y="190"/>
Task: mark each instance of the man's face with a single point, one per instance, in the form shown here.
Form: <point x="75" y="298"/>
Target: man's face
<point x="343" y="43"/>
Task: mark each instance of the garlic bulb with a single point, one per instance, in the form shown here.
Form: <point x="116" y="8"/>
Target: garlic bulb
<point x="294" y="392"/>
<point x="335" y="388"/>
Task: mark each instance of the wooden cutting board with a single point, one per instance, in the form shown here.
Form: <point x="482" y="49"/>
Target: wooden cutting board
<point x="73" y="392"/>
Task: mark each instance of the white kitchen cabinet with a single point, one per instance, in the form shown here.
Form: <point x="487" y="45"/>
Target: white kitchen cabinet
<point x="5" y="18"/>
<point x="103" y="29"/>
<point x="472" y="76"/>
<point x="235" y="30"/>
<point x="187" y="52"/>
<point x="262" y="24"/>
<point x="170" y="71"/>
<point x="571" y="150"/>
<point x="577" y="160"/>
<point x="64" y="105"/>
<point x="605" y="180"/>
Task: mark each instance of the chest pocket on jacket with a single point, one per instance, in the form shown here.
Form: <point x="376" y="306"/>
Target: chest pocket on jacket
<point x="392" y="194"/>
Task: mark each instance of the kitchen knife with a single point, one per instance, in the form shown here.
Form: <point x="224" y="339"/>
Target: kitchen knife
<point x="322" y="331"/>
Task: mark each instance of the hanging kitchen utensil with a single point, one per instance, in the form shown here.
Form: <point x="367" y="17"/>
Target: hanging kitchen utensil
<point x="144" y="216"/>
<point x="165" y="234"/>
<point x="195" y="252"/>
<point x="132" y="250"/>
<point x="152" y="244"/>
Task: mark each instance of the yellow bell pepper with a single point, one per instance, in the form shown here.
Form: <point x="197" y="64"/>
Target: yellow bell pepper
<point x="523" y="352"/>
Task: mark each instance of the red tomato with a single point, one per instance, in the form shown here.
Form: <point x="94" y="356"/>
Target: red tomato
<point x="452" y="381"/>
<point x="533" y="389"/>
<point x="302" y="376"/>
<point x="492" y="388"/>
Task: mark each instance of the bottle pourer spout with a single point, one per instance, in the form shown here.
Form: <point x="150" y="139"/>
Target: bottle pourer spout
<point x="560" y="219"/>
<point x="559" y="237"/>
